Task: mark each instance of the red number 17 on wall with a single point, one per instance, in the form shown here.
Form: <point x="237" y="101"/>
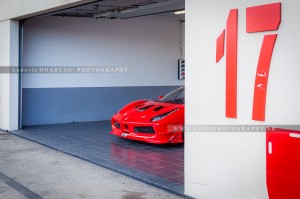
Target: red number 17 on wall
<point x="258" y="19"/>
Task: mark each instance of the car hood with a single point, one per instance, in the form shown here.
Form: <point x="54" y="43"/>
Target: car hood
<point x="145" y="111"/>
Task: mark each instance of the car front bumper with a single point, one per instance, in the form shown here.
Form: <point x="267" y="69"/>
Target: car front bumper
<point x="159" y="134"/>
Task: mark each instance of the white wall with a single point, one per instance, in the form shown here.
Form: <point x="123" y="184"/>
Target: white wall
<point x="147" y="46"/>
<point x="232" y="165"/>
<point x="9" y="56"/>
<point x="183" y="40"/>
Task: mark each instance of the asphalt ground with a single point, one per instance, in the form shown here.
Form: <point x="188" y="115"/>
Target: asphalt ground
<point x="30" y="170"/>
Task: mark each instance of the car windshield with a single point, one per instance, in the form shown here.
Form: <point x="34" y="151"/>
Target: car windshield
<point x="176" y="96"/>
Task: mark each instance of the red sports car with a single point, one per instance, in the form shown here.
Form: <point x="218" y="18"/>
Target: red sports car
<point x="154" y="121"/>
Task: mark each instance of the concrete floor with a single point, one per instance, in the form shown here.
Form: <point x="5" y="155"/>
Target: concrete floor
<point x="158" y="165"/>
<point x="30" y="170"/>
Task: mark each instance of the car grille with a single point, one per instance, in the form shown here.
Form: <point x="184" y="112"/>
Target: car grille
<point x="144" y="129"/>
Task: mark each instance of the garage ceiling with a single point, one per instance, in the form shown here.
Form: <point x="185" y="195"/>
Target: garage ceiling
<point x="123" y="9"/>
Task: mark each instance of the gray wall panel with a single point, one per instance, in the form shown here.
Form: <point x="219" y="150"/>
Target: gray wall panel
<point x="64" y="105"/>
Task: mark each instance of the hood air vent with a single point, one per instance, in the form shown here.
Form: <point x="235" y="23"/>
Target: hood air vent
<point x="139" y="105"/>
<point x="158" y="108"/>
<point x="145" y="108"/>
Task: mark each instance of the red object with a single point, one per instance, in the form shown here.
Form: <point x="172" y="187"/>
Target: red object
<point x="263" y="18"/>
<point x="231" y="64"/>
<point x="261" y="80"/>
<point x="283" y="164"/>
<point x="157" y="122"/>
<point x="220" y="46"/>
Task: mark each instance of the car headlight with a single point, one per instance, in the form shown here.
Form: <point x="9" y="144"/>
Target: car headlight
<point x="162" y="116"/>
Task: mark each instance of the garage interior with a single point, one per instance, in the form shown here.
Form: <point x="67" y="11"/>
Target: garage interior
<point x="71" y="112"/>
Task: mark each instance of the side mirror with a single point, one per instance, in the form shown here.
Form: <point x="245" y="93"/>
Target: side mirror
<point x="159" y="97"/>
